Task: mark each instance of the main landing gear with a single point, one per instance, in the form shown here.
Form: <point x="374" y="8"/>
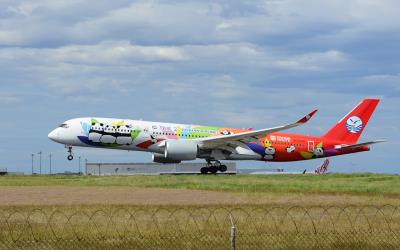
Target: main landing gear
<point x="70" y="157"/>
<point x="213" y="168"/>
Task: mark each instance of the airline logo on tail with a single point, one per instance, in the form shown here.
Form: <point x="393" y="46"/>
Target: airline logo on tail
<point x="323" y="168"/>
<point x="354" y="124"/>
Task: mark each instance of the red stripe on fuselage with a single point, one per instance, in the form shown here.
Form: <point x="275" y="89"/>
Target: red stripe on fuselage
<point x="305" y="147"/>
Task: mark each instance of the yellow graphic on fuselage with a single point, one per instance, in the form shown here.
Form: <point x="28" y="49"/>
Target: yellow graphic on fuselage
<point x="267" y="143"/>
<point x="118" y="124"/>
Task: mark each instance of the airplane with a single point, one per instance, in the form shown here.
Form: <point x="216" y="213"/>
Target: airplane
<point x="323" y="168"/>
<point x="174" y="143"/>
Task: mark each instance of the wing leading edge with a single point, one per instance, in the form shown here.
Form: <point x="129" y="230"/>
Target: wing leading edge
<point x="249" y="136"/>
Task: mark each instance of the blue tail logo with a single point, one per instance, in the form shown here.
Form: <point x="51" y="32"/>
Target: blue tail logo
<point x="354" y="124"/>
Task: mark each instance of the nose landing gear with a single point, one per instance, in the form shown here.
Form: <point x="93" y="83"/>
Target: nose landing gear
<point x="70" y="157"/>
<point x="213" y="167"/>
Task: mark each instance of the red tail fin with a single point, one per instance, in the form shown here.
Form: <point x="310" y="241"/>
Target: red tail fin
<point x="350" y="127"/>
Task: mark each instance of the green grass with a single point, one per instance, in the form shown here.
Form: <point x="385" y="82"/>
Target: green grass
<point x="331" y="183"/>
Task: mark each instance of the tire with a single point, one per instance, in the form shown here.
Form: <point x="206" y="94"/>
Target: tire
<point x="223" y="168"/>
<point x="213" y="169"/>
<point x="70" y="157"/>
<point x="204" y="170"/>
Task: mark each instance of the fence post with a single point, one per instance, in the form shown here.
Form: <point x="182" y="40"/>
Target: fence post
<point x="233" y="234"/>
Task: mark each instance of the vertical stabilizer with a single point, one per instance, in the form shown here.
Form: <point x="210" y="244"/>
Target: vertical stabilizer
<point x="350" y="127"/>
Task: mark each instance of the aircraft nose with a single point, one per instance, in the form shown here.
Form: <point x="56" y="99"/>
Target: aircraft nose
<point x="53" y="135"/>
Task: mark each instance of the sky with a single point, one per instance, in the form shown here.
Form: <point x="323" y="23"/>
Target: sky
<point x="225" y="63"/>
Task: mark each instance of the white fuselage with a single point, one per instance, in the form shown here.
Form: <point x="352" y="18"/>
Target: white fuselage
<point x="122" y="134"/>
<point x="136" y="135"/>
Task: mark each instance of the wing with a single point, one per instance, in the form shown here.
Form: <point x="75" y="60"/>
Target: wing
<point x="340" y="147"/>
<point x="239" y="139"/>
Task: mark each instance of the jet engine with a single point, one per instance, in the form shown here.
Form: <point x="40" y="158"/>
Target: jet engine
<point x="160" y="158"/>
<point x="182" y="150"/>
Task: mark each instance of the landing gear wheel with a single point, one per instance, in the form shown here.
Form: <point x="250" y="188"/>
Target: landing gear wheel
<point x="204" y="170"/>
<point x="213" y="169"/>
<point x="214" y="166"/>
<point x="223" y="168"/>
<point x="70" y="157"/>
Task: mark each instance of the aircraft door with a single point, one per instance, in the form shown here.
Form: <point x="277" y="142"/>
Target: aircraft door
<point x="310" y="146"/>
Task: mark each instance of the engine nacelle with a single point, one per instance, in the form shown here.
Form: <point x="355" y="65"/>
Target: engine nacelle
<point x="160" y="158"/>
<point x="181" y="150"/>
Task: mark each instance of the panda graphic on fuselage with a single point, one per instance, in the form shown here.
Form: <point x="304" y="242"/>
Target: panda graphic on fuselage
<point x="318" y="152"/>
<point x="269" y="150"/>
<point x="226" y="132"/>
<point x="109" y="135"/>
<point x="96" y="132"/>
<point x="124" y="135"/>
<point x="269" y="153"/>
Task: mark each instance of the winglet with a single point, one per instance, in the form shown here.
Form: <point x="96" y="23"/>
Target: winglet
<point x="307" y="117"/>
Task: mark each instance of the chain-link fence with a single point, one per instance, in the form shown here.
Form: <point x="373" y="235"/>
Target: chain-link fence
<point x="350" y="227"/>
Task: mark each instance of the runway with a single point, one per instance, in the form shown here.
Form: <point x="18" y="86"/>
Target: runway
<point x="60" y="196"/>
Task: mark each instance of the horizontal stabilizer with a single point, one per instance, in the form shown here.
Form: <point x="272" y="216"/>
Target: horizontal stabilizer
<point x="340" y="147"/>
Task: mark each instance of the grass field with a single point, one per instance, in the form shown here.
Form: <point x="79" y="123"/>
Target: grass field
<point x="272" y="190"/>
<point x="380" y="184"/>
<point x="338" y="211"/>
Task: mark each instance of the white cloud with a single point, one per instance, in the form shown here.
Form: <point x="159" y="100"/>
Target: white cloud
<point x="219" y="87"/>
<point x="110" y="52"/>
<point x="93" y="85"/>
<point x="389" y="82"/>
<point x="117" y="64"/>
<point x="313" y="60"/>
<point x="190" y="22"/>
<point x="383" y="79"/>
<point x="10" y="37"/>
<point x="6" y="99"/>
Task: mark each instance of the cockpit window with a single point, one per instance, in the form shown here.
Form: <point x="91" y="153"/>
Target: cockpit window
<point x="64" y="125"/>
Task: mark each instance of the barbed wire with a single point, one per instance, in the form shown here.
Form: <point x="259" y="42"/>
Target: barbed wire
<point x="193" y="227"/>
